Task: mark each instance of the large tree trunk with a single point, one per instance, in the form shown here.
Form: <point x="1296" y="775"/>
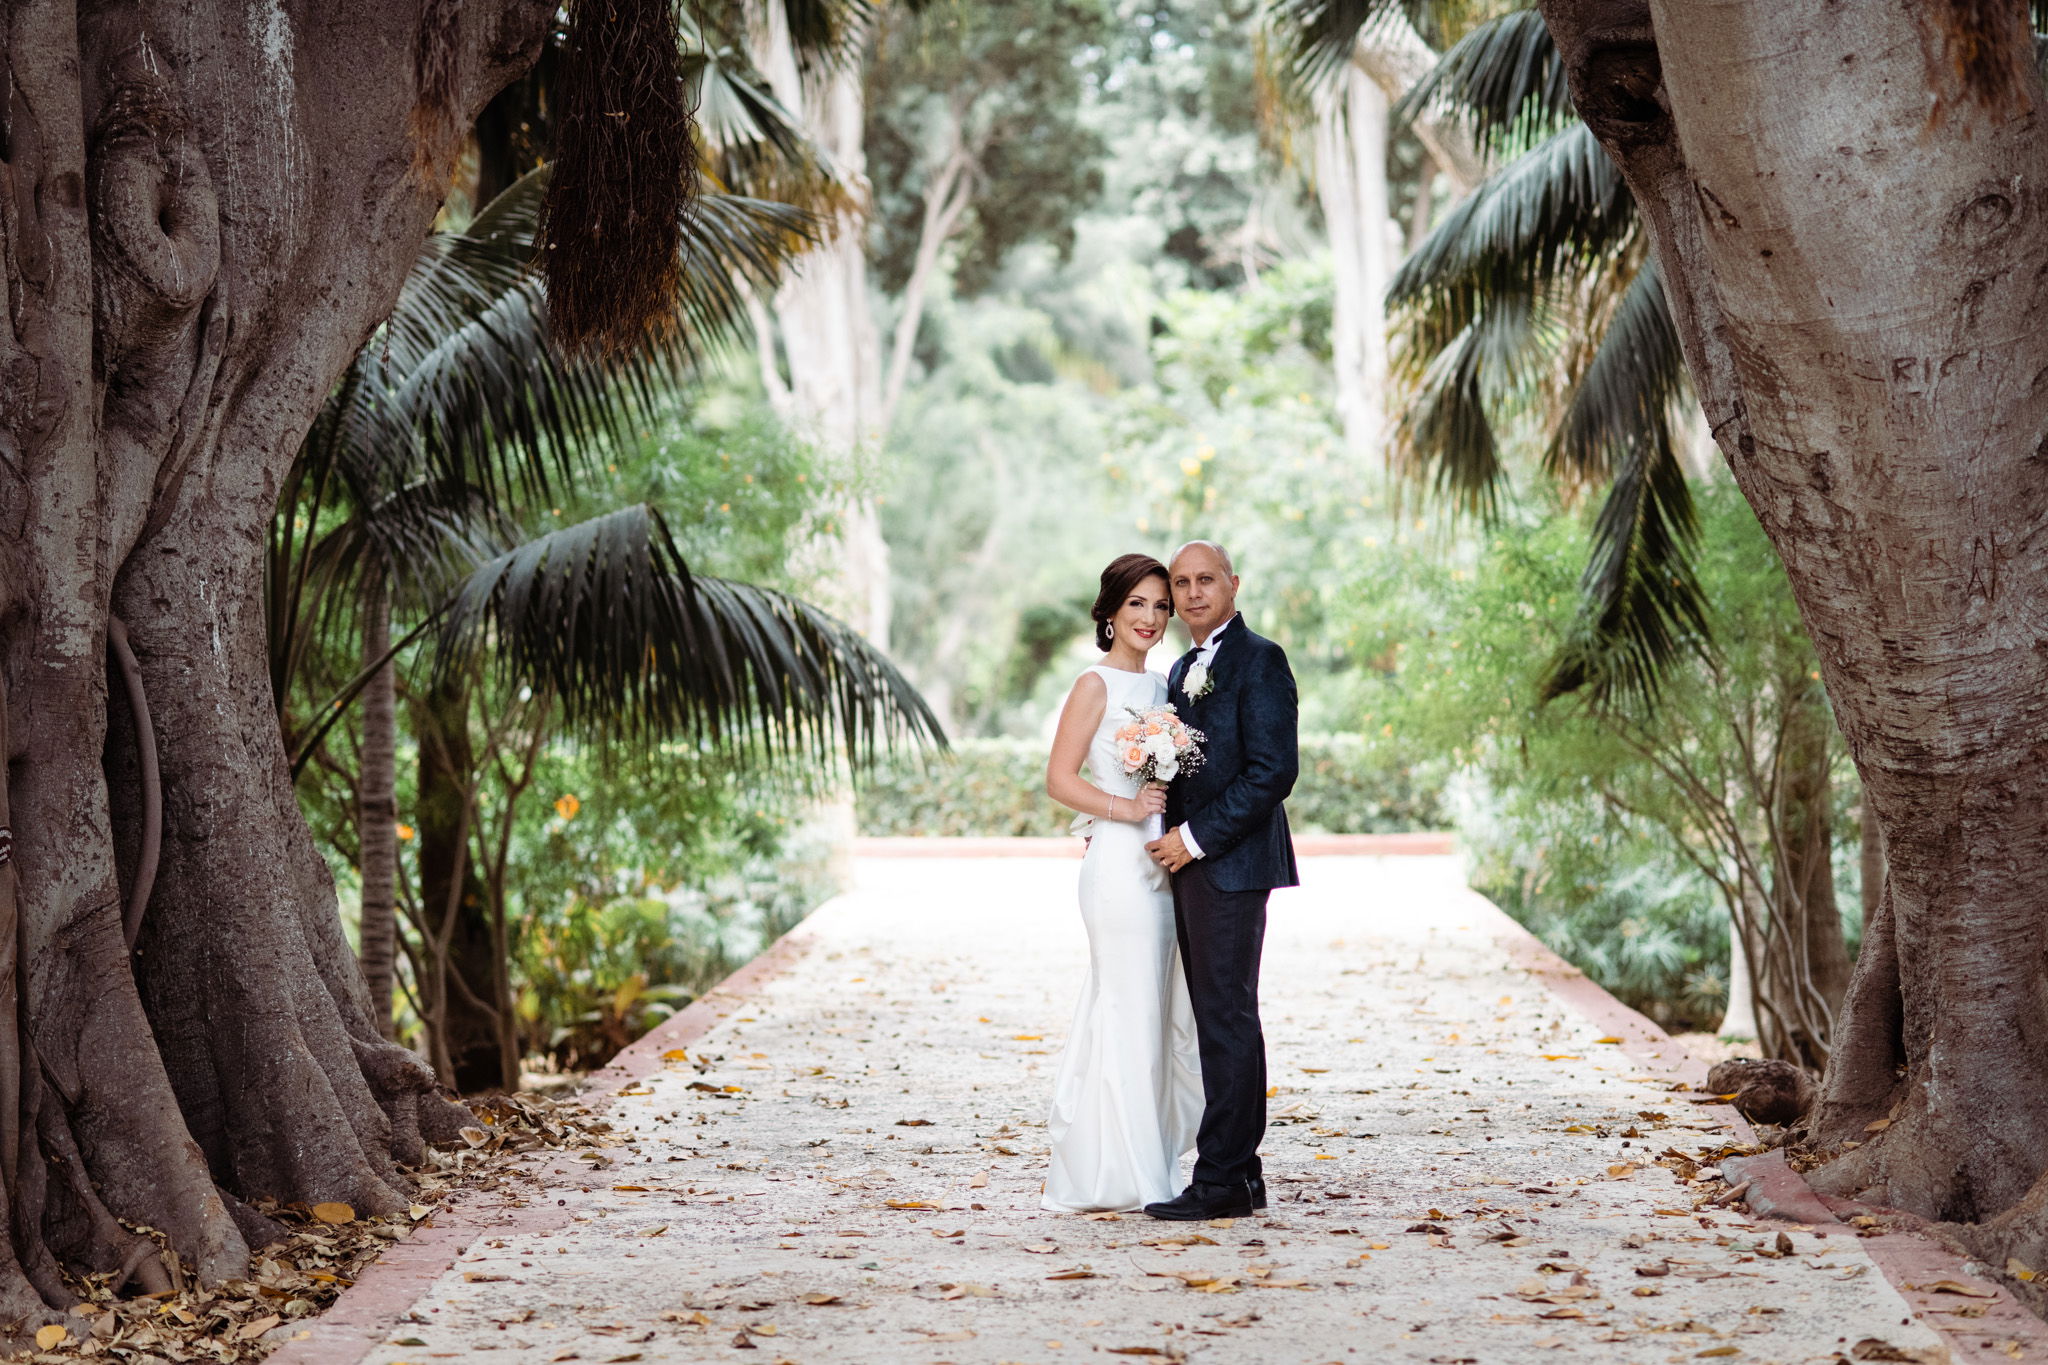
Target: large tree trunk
<point x="1844" y="202"/>
<point x="202" y="212"/>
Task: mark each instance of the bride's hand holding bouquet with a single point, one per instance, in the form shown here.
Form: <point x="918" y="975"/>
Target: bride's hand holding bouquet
<point x="1157" y="746"/>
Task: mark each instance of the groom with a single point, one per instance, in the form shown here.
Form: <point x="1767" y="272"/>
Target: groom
<point x="1227" y="847"/>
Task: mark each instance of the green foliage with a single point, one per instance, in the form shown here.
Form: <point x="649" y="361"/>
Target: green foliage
<point x="634" y="891"/>
<point x="1579" y="817"/>
<point x="1002" y="82"/>
<point x="1349" y="784"/>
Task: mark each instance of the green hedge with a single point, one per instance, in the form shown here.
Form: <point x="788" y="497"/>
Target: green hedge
<point x="1348" y="785"/>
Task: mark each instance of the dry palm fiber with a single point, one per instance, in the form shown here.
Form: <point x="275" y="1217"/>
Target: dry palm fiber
<point x="624" y="173"/>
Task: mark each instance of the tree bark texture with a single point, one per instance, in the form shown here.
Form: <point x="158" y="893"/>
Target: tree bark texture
<point x="204" y="208"/>
<point x="1853" y="241"/>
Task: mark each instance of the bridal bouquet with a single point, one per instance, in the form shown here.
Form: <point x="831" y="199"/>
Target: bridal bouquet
<point x="1158" y="746"/>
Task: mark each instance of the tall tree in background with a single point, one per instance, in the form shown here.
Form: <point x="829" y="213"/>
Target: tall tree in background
<point x="974" y="132"/>
<point x="1344" y="76"/>
<point x="821" y="349"/>
<point x="1839" y="203"/>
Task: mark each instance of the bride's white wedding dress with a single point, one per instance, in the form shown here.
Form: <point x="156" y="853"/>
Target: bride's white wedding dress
<point x="1128" y="1095"/>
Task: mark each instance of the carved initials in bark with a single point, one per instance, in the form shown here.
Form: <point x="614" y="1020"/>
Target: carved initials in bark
<point x="203" y="210"/>
<point x="1814" y="225"/>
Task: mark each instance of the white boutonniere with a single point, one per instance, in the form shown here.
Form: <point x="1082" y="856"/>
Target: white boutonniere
<point x="1198" y="683"/>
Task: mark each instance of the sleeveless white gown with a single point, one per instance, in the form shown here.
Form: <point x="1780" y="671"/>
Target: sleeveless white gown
<point x="1127" y="1097"/>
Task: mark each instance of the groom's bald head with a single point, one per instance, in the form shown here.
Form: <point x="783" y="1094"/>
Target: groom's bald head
<point x="1204" y="586"/>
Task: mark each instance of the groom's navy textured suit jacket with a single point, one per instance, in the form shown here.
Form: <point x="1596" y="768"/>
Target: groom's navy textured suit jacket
<point x="1233" y="801"/>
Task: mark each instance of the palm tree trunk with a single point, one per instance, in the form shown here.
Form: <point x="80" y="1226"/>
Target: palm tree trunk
<point x="377" y="806"/>
<point x="460" y="949"/>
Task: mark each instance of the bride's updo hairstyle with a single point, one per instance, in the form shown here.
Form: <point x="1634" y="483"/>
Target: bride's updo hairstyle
<point x="1124" y="573"/>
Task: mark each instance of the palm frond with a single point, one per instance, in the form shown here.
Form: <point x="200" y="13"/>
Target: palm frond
<point x="1315" y="38"/>
<point x="1624" y="396"/>
<point x="827" y="34"/>
<point x="465" y="373"/>
<point x="1643" y="603"/>
<point x="753" y="145"/>
<point x="606" y="616"/>
<point x="1555" y="214"/>
<point x="1505" y="77"/>
<point x="1445" y="435"/>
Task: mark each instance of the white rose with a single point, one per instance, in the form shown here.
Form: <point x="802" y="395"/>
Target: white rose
<point x="1196" y="684"/>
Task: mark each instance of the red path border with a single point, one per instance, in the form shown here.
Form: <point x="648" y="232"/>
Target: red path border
<point x="366" y="1313"/>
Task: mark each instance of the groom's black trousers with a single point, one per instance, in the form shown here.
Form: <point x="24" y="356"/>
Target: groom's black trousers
<point x="1221" y="936"/>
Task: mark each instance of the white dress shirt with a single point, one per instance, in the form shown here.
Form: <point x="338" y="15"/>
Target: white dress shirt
<point x="1205" y="655"/>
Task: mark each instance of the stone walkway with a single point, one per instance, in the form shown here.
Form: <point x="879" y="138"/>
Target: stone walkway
<point x="846" y="1168"/>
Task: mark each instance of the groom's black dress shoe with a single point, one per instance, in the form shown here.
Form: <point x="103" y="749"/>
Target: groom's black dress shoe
<point x="1202" y="1200"/>
<point x="1258" y="1187"/>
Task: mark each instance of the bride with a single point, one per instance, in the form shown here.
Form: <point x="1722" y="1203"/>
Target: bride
<point x="1128" y="1094"/>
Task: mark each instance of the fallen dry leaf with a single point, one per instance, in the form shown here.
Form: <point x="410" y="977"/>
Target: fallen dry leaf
<point x="334" y="1213"/>
<point x="51" y="1336"/>
<point x="1958" y="1287"/>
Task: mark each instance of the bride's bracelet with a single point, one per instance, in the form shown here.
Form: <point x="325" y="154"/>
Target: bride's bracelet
<point x="1112" y="809"/>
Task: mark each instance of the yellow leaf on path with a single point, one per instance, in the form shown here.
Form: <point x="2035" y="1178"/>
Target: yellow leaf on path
<point x="2019" y="1269"/>
<point x="1562" y="1057"/>
<point x="734" y="1089"/>
<point x="910" y="1204"/>
<point x="766" y="1329"/>
<point x="1315" y="1070"/>
<point x="675" y="1054"/>
<point x="334" y="1213"/>
<point x="640" y="1189"/>
<point x="1028" y="1037"/>
<point x="1717" y="1351"/>
<point x="417" y="1212"/>
<point x="1324" y="1156"/>
<point x="636" y="1090"/>
<point x="1610" y="1038"/>
<point x="53" y="1335"/>
<point x="1222" y="1222"/>
<point x="1271" y="1091"/>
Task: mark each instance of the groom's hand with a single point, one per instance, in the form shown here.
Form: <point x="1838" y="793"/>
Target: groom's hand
<point x="1169" y="852"/>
